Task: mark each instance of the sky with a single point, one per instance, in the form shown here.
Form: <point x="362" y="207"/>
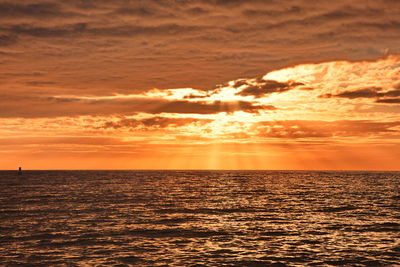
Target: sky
<point x="200" y="84"/>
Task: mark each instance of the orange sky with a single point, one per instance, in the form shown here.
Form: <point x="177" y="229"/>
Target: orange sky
<point x="210" y="84"/>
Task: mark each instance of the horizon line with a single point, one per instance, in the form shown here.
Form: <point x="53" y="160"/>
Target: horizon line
<point x="318" y="170"/>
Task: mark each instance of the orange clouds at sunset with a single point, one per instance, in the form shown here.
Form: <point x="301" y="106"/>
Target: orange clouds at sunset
<point x="309" y="116"/>
<point x="88" y="85"/>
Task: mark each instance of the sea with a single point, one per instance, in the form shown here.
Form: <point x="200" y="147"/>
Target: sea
<point x="199" y="218"/>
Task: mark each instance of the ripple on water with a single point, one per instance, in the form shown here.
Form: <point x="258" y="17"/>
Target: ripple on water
<point x="199" y="218"/>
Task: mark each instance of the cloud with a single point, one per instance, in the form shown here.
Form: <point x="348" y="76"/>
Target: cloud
<point x="267" y="87"/>
<point x="367" y="92"/>
<point x="324" y="129"/>
<point x="33" y="96"/>
<point x="80" y="140"/>
<point x="34" y="10"/>
<point x="197" y="11"/>
<point x="267" y="13"/>
<point x="210" y="108"/>
<point x="392" y="93"/>
<point x="6" y="40"/>
<point x="154" y="122"/>
<point x="389" y="101"/>
<point x="84" y="29"/>
<point x="137" y="11"/>
<point x="216" y="41"/>
<point x="32" y="107"/>
<point x="371" y="92"/>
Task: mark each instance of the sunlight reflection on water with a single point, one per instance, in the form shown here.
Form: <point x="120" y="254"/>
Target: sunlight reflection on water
<point x="231" y="218"/>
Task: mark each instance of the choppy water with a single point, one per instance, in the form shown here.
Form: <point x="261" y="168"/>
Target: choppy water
<point x="195" y="218"/>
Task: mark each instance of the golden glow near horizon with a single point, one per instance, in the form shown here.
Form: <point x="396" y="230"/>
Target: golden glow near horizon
<point x="333" y="115"/>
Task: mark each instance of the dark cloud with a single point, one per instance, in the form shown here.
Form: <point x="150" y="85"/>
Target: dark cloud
<point x="369" y="92"/>
<point x="83" y="29"/>
<point x="392" y="93"/>
<point x="361" y="93"/>
<point x="193" y="96"/>
<point x="34" y="10"/>
<point x="257" y="13"/>
<point x="232" y="3"/>
<point x="267" y="87"/>
<point x="195" y="11"/>
<point x="240" y="82"/>
<point x="323" y="129"/>
<point x="154" y="122"/>
<point x="34" y="107"/>
<point x="42" y="31"/>
<point x="210" y="108"/>
<point x="7" y="40"/>
<point x="389" y="101"/>
<point x="138" y="11"/>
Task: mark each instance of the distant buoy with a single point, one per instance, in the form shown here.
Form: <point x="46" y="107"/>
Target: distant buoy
<point x="20" y="171"/>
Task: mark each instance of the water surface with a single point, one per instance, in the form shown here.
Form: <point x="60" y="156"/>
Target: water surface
<point x="195" y="218"/>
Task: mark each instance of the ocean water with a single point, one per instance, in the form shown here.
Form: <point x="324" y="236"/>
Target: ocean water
<point x="199" y="218"/>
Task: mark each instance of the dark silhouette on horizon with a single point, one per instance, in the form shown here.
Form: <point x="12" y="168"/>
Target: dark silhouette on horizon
<point x="19" y="171"/>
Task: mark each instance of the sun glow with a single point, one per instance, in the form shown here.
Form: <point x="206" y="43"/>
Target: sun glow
<point x="292" y="116"/>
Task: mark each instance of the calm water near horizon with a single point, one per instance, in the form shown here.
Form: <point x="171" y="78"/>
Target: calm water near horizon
<point x="199" y="218"/>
